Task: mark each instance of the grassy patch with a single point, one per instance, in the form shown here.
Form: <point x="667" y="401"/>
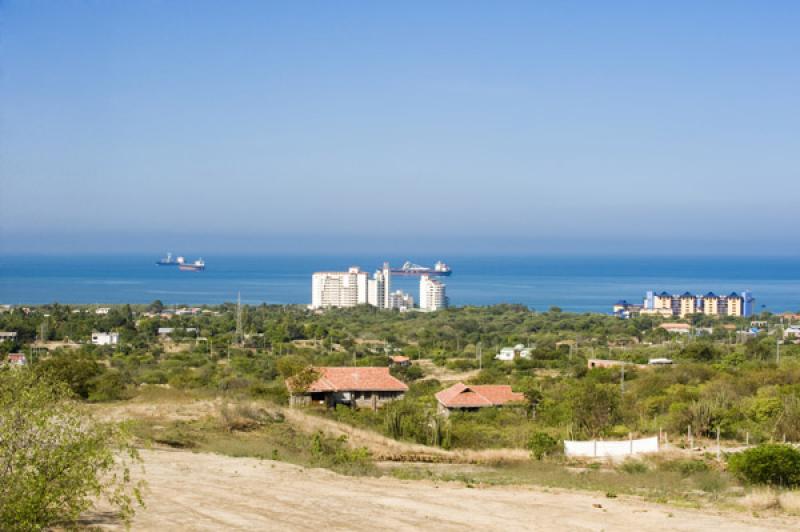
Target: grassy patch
<point x="245" y="432"/>
<point x="631" y="478"/>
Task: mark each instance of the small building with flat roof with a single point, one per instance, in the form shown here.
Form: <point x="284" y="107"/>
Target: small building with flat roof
<point x="105" y="338"/>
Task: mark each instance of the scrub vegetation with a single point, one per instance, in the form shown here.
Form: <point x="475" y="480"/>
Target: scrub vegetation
<point x="720" y="383"/>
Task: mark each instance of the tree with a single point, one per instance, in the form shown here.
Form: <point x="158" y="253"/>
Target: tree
<point x="302" y="380"/>
<point x="77" y="371"/>
<point x="542" y="444"/>
<point x="772" y="463"/>
<point x="55" y="460"/>
<point x="533" y="396"/>
<point x="291" y="365"/>
<point x="701" y="351"/>
<point x="595" y="407"/>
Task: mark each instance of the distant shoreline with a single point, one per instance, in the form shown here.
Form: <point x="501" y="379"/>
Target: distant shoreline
<point x="575" y="284"/>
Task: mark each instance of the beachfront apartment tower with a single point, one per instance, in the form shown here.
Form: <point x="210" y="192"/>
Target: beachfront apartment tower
<point x="682" y="305"/>
<point x="339" y="289"/>
<point x="688" y="304"/>
<point x="711" y="304"/>
<point x="351" y="288"/>
<point x="379" y="288"/>
<point x="432" y="295"/>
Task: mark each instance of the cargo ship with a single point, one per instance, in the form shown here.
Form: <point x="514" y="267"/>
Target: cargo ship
<point x="409" y="268"/>
<point x="169" y="261"/>
<point x="196" y="266"/>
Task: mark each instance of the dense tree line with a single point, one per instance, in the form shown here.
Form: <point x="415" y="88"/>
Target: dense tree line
<point x="716" y="383"/>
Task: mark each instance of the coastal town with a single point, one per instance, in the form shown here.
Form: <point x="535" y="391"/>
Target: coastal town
<point x="371" y="381"/>
<point x="403" y="266"/>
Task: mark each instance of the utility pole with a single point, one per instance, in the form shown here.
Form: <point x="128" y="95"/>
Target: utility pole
<point x="239" y="336"/>
<point x="479" y="354"/>
<point x="622" y="379"/>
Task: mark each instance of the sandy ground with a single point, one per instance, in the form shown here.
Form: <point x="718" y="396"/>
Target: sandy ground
<point x="194" y="491"/>
<point x="432" y="371"/>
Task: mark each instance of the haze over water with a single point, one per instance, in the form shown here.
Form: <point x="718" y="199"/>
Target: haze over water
<point x="581" y="284"/>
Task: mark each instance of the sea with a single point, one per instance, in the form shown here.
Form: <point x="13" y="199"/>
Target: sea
<point x="573" y="283"/>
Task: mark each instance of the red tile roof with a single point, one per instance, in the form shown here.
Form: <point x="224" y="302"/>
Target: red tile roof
<point x="478" y="395"/>
<point x="355" y="380"/>
<point x="397" y="359"/>
<point x="675" y="326"/>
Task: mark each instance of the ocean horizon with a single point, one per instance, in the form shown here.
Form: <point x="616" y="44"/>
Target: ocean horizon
<point x="573" y="283"/>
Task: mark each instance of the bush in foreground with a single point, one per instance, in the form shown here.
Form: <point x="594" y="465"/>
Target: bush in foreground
<point x="542" y="444"/>
<point x="772" y="464"/>
<point x="54" y="459"/>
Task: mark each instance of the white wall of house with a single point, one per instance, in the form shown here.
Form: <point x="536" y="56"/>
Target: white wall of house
<point x="105" y="338"/>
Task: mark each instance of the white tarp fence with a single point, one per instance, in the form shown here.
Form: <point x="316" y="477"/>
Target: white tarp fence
<point x="600" y="448"/>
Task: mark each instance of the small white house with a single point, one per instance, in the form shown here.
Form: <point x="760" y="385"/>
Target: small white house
<point x="105" y="338"/>
<point x="11" y="336"/>
<point x="102" y="310"/>
<point x="792" y="330"/>
<point x="510" y="353"/>
<point x="660" y="361"/>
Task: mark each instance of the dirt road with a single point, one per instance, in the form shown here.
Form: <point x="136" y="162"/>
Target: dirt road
<point x="189" y="491"/>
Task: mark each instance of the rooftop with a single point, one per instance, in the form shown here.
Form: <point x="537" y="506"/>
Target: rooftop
<point x="474" y="396"/>
<point x="349" y="379"/>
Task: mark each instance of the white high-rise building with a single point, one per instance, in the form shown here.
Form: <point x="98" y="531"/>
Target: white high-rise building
<point x="431" y="294"/>
<point x="379" y="287"/>
<point x="339" y="289"/>
<point x="351" y="288"/>
<point x="401" y="301"/>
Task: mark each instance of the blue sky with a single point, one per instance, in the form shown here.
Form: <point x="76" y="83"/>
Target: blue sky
<point x="455" y="126"/>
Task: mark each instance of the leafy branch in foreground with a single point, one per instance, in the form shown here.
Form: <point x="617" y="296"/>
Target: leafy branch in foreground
<point x="55" y="460"/>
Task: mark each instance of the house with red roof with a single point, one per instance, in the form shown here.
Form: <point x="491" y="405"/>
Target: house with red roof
<point x="368" y="387"/>
<point x="474" y="396"/>
<point x="400" y="360"/>
<point x="16" y="359"/>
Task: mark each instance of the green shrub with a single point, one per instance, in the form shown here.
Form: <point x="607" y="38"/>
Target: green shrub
<point x="275" y="393"/>
<point x="685" y="467"/>
<point x="153" y="376"/>
<point x="407" y="373"/>
<point x="75" y="371"/>
<point x="291" y="365"/>
<point x="55" y="460"/>
<point x="542" y="444"/>
<point x="461" y="364"/>
<point x="633" y="467"/>
<point x="110" y="386"/>
<point x="773" y="464"/>
<point x="710" y="481"/>
<point x="334" y="453"/>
